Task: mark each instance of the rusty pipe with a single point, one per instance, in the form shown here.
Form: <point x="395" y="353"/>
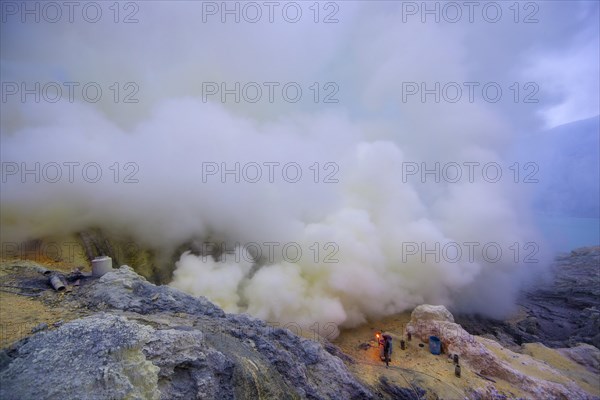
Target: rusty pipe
<point x="57" y="282"/>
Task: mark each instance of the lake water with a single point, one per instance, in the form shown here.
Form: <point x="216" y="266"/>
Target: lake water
<point x="568" y="233"/>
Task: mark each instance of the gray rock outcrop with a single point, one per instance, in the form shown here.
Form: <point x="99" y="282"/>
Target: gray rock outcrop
<point x="155" y="342"/>
<point x="560" y="313"/>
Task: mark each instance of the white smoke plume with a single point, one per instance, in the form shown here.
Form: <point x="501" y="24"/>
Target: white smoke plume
<point x="366" y="217"/>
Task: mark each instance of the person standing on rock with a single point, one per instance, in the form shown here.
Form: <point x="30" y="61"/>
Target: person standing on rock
<point x="387" y="348"/>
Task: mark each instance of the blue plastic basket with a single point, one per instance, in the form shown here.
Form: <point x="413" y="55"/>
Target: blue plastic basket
<point x="435" y="345"/>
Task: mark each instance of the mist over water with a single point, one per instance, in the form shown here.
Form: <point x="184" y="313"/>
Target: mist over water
<point x="334" y="180"/>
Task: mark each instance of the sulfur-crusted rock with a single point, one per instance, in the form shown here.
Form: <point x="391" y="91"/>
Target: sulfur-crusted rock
<point x="437" y="321"/>
<point x="427" y="312"/>
<point x="584" y="354"/>
<point x="98" y="357"/>
<point x="156" y="342"/>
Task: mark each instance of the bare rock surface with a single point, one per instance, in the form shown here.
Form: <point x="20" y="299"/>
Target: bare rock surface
<point x="478" y="354"/>
<point x="120" y="336"/>
<point x="156" y="342"/>
<point x="586" y="355"/>
<point x="560" y="313"/>
<point x="427" y="312"/>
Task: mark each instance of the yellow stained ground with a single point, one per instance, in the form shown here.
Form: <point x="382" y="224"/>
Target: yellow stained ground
<point x="416" y="365"/>
<point x="413" y="366"/>
<point x="18" y="313"/>
<point x="567" y="368"/>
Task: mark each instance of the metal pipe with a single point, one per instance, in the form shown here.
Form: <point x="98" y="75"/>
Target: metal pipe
<point x="44" y="271"/>
<point x="57" y="283"/>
